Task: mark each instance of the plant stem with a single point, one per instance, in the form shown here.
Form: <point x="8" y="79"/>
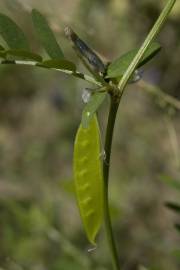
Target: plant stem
<point x="150" y="37"/>
<point x="106" y="164"/>
<point x="156" y="91"/>
<point x="111" y="122"/>
<point x="76" y="74"/>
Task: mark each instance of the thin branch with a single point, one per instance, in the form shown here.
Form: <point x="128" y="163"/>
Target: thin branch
<point x="173" y="138"/>
<point x="76" y="74"/>
<point x="156" y="91"/>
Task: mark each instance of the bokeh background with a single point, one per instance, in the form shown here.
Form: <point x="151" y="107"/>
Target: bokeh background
<point x="40" y="110"/>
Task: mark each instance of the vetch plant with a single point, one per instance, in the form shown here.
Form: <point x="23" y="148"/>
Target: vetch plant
<point x="90" y="164"/>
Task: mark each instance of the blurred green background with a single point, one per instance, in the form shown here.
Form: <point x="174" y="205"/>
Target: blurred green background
<point x="40" y="110"/>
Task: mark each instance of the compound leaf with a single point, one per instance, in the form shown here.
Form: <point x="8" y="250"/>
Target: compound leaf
<point x="118" y="67"/>
<point x="59" y="64"/>
<point x="46" y="35"/>
<point x="22" y="55"/>
<point x="12" y="33"/>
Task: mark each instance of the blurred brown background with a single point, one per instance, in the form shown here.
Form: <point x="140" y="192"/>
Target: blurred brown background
<point x="40" y="111"/>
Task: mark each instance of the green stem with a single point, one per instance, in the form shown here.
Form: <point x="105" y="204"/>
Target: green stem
<point x="106" y="164"/>
<point x="111" y="121"/>
<point x="156" y="91"/>
<point x="151" y="36"/>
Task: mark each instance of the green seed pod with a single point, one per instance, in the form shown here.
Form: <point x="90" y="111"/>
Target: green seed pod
<point x="88" y="178"/>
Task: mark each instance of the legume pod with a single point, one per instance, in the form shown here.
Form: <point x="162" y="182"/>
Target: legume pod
<point x="88" y="177"/>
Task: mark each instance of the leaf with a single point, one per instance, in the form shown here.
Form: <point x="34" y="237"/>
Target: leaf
<point x="118" y="67"/>
<point x="12" y="33"/>
<point x="1" y="48"/>
<point x="46" y="36"/>
<point x="23" y="55"/>
<point x="59" y="64"/>
<point x="89" y="178"/>
<point x="92" y="106"/>
<point x="173" y="206"/>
